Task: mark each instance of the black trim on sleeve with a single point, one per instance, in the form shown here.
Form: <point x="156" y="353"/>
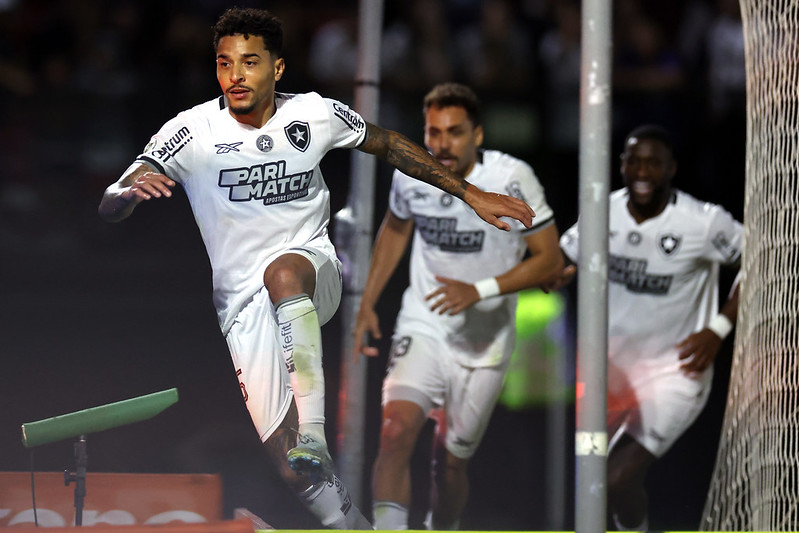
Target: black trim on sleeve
<point x="538" y="226"/>
<point x="152" y="162"/>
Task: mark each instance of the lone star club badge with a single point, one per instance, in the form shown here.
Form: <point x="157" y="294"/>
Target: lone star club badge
<point x="299" y="135"/>
<point x="669" y="243"/>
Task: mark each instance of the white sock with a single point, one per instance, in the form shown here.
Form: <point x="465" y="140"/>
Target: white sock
<point x="389" y="515"/>
<point x="330" y="502"/>
<point x="643" y="526"/>
<point x="301" y="339"/>
<point x="428" y="523"/>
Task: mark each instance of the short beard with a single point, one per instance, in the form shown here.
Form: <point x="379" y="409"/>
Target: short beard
<point x="242" y="110"/>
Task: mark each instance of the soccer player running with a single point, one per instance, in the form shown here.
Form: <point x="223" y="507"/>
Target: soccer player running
<point x="249" y="163"/>
<point x="456" y="329"/>
<point x="665" y="327"/>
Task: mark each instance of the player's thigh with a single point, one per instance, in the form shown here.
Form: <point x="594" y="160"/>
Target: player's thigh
<point x="257" y="357"/>
<point x="327" y="295"/>
<point x="667" y="404"/>
<point x="415" y="373"/>
<point x="471" y="397"/>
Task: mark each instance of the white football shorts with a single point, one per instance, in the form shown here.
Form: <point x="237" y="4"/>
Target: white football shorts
<point x="424" y="370"/>
<point x="255" y="348"/>
<point x="654" y="402"/>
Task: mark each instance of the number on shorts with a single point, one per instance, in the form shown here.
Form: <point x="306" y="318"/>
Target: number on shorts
<point x="398" y="348"/>
<point x="241" y="385"/>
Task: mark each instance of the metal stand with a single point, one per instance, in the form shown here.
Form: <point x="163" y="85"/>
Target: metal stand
<point x="79" y="477"/>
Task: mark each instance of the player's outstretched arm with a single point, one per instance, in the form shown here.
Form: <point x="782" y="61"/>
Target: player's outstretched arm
<point x="139" y="182"/>
<point x="392" y="239"/>
<point x="413" y="160"/>
<point x="700" y="349"/>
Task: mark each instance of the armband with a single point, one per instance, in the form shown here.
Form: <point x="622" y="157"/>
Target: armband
<point x="487" y="288"/>
<point x="720" y="325"/>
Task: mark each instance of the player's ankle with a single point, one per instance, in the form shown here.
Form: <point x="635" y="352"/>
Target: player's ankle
<point x="314" y="430"/>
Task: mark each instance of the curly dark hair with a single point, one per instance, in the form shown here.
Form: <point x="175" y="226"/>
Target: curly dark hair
<point x="250" y="21"/>
<point x="457" y="95"/>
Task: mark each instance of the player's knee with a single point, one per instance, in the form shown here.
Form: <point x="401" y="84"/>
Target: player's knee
<point x="277" y="276"/>
<point x="288" y="275"/>
<point x="396" y="434"/>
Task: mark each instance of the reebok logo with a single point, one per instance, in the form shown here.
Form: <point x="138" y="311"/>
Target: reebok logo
<point x="224" y="148"/>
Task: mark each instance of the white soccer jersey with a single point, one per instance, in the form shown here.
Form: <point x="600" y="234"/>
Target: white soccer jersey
<point x="662" y="274"/>
<point x="255" y="192"/>
<point x="450" y="240"/>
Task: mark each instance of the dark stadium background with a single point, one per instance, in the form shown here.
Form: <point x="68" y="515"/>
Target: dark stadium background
<point x="92" y="313"/>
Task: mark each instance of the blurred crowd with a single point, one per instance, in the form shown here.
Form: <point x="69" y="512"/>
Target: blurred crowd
<point x="84" y="84"/>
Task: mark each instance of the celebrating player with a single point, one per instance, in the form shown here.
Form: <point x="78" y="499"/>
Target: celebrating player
<point x="665" y="327"/>
<point x="249" y="163"/>
<point x="455" y="332"/>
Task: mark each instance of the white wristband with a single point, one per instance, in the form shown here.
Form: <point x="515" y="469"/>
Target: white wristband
<point x="487" y="288"/>
<point x="720" y="325"/>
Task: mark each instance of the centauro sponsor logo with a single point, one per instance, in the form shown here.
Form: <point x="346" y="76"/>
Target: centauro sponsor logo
<point x="351" y="119"/>
<point x="725" y="247"/>
<point x="442" y="232"/>
<point x="267" y="182"/>
<point x="632" y="274"/>
<point x="171" y="146"/>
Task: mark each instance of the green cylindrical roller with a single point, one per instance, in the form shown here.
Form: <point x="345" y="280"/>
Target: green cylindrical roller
<point x="97" y="418"/>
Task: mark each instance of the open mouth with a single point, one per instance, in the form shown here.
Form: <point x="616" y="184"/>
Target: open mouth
<point x="641" y="187"/>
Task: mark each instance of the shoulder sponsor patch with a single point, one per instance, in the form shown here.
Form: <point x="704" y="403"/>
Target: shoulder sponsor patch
<point x="352" y="119"/>
<point x="299" y="135"/>
<point x="515" y="189"/>
<point x="163" y="151"/>
<point x="725" y="247"/>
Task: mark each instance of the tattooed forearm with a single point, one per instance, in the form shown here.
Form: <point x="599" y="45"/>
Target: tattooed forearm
<point x="411" y="159"/>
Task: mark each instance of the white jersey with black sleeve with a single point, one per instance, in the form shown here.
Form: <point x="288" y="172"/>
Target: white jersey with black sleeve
<point x="254" y="192"/>
<point x="662" y="274"/>
<point x="450" y="240"/>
